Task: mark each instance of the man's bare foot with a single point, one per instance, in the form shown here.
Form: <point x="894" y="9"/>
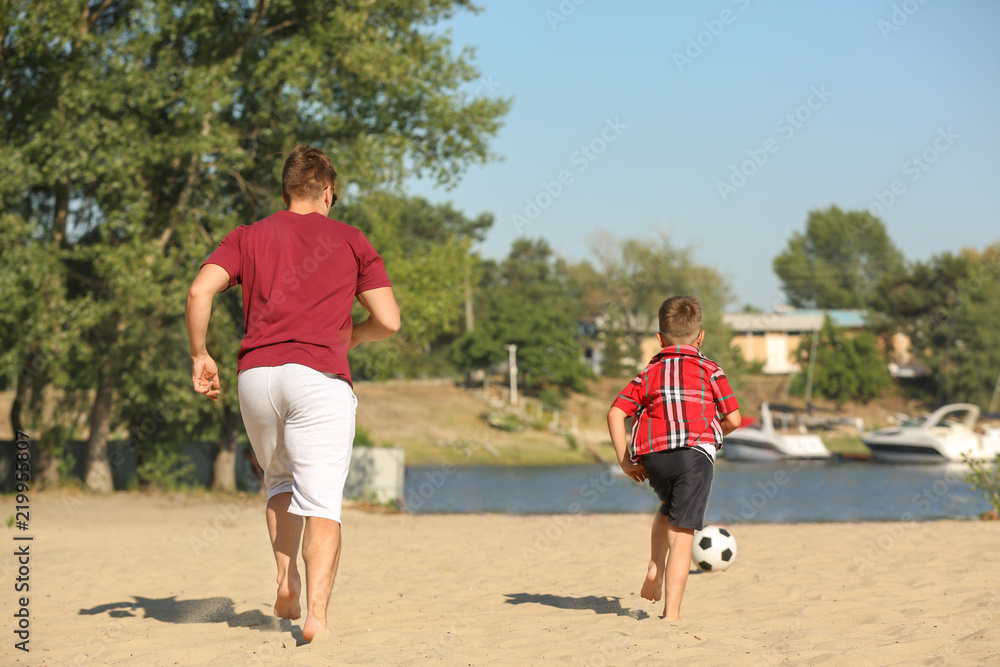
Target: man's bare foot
<point x="652" y="587"/>
<point x="312" y="630"/>
<point x="286" y="605"/>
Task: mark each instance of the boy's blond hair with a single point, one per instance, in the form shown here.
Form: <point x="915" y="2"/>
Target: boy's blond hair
<point x="680" y="319"/>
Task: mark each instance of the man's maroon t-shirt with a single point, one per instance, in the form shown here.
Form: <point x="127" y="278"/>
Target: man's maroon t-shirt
<point x="300" y="274"/>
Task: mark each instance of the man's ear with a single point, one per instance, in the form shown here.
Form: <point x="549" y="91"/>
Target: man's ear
<point x="284" y="198"/>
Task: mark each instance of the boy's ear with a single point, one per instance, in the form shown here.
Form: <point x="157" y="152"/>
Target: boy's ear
<point x="660" y="339"/>
<point x="701" y="339"/>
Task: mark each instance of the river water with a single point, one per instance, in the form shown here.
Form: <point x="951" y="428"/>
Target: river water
<point x="780" y="492"/>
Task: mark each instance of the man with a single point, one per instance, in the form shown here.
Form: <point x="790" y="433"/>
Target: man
<point x="300" y="273"/>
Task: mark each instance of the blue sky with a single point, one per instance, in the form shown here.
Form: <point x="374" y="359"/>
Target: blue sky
<point x="628" y="116"/>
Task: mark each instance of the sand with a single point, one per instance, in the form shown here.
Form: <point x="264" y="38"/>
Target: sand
<point x="136" y="579"/>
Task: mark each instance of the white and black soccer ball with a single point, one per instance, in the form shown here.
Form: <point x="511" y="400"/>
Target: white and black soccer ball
<point x="714" y="549"/>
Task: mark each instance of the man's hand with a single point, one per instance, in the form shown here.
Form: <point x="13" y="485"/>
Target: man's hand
<point x="633" y="470"/>
<point x="205" y="376"/>
<point x="211" y="280"/>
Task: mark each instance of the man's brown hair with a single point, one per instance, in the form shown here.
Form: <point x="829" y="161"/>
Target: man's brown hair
<point x="306" y="173"/>
<point x="680" y="319"/>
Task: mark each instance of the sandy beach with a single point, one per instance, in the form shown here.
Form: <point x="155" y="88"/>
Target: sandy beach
<point x="135" y="579"/>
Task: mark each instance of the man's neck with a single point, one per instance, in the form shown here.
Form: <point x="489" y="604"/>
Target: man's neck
<point x="307" y="207"/>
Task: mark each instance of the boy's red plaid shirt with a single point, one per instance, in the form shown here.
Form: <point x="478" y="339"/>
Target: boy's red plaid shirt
<point x="676" y="401"/>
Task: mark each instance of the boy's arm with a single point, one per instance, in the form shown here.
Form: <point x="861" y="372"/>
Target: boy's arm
<point x="619" y="438"/>
<point x="731" y="421"/>
<point x="726" y="400"/>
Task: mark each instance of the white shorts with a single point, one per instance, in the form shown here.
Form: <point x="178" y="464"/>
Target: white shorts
<point x="301" y="425"/>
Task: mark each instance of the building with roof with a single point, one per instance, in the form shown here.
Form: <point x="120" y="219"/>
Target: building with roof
<point x="773" y="339"/>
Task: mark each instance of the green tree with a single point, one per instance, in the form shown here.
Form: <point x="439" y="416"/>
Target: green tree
<point x="846" y="368"/>
<point x="638" y="276"/>
<point x="136" y="133"/>
<point x="837" y="261"/>
<point x="949" y="307"/>
<point x="524" y="304"/>
<point x="427" y="249"/>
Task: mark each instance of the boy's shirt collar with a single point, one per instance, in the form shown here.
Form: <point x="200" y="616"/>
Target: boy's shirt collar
<point x="679" y="351"/>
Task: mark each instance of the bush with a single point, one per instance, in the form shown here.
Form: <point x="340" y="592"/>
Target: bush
<point x="163" y="467"/>
<point x="846" y="368"/>
<point x="986" y="479"/>
<point x="505" y="422"/>
<point x="363" y="438"/>
<point x="551" y="397"/>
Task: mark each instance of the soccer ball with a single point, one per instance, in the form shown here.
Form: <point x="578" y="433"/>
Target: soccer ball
<point x="714" y="549"/>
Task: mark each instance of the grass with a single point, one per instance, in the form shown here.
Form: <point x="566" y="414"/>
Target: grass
<point x="442" y="424"/>
<point x="845" y="443"/>
<point x="473" y="454"/>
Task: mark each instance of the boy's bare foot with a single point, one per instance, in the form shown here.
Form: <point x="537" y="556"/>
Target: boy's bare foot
<point x="652" y="587"/>
<point x="286" y="605"/>
<point x="312" y="630"/>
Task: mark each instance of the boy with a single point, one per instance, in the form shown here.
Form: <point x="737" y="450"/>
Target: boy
<point x="679" y="398"/>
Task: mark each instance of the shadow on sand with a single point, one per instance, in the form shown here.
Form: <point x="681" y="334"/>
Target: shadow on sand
<point x="207" y="610"/>
<point x="600" y="605"/>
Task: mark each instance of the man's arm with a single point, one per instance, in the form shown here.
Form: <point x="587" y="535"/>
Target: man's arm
<point x="211" y="280"/>
<point x="383" y="319"/>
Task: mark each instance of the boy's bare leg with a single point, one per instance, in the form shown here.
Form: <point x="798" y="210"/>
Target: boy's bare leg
<point x="652" y="587"/>
<point x="285" y="530"/>
<point x="680" y="541"/>
<point x="321" y="551"/>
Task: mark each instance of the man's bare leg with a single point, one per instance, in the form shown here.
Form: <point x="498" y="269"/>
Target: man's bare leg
<point x="285" y="530"/>
<point x="680" y="541"/>
<point x="321" y="551"/>
<point x="652" y="586"/>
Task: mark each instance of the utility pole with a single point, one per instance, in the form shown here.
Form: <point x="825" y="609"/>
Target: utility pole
<point x="996" y="395"/>
<point x="512" y="362"/>
<point x="809" y="372"/>
<point x="470" y="320"/>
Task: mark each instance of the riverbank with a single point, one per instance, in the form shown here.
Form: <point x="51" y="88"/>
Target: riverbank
<point x="437" y="422"/>
<point x="140" y="579"/>
<point x="442" y="423"/>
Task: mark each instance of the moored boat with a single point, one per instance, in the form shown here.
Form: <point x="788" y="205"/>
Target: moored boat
<point x="762" y="443"/>
<point x="939" y="438"/>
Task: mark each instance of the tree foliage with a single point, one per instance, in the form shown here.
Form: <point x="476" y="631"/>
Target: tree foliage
<point x="637" y="276"/>
<point x="847" y="367"/>
<point x="949" y="306"/>
<point x="837" y="261"/>
<point x="524" y="303"/>
<point x="428" y="251"/>
<point x="136" y="133"/>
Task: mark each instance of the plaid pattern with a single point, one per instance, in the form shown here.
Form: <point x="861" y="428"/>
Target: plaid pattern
<point x="676" y="401"/>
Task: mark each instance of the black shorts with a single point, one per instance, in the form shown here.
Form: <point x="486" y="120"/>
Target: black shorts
<point x="682" y="480"/>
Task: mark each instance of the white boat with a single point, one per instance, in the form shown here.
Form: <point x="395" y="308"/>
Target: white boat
<point x="938" y="439"/>
<point x="763" y="443"/>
